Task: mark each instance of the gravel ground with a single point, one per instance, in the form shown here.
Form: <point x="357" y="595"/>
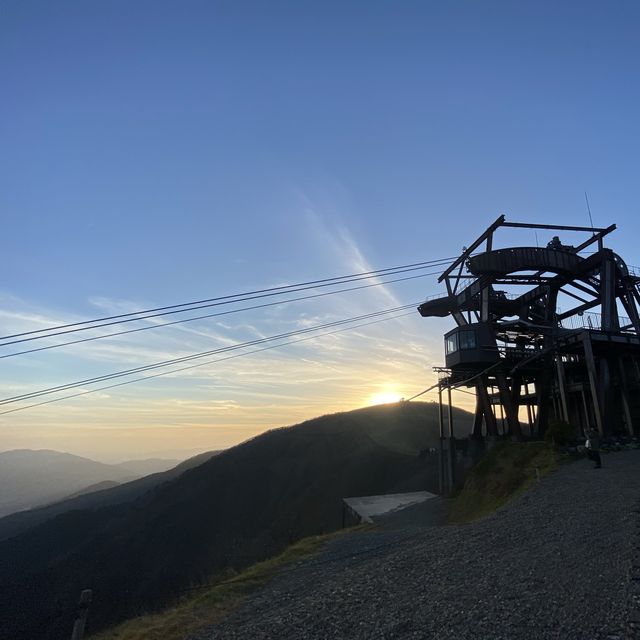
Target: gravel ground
<point x="562" y="562"/>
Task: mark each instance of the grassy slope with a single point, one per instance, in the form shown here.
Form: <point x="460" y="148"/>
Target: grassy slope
<point x="503" y="473"/>
<point x="207" y="606"/>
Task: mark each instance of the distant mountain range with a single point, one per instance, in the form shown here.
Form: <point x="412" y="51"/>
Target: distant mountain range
<point x="247" y="503"/>
<point x="29" y="478"/>
<point x="147" y="466"/>
<point x="94" y="496"/>
<point x="32" y="478"/>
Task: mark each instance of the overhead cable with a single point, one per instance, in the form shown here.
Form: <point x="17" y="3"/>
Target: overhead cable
<point x="199" y="304"/>
<point x="209" y="315"/>
<point x="206" y="362"/>
<point x="195" y="356"/>
<point x="433" y="386"/>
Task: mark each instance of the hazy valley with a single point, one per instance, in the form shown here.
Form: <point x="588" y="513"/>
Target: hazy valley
<point x="138" y="544"/>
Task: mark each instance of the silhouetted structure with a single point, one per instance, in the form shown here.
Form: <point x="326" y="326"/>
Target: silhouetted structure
<point x="530" y="361"/>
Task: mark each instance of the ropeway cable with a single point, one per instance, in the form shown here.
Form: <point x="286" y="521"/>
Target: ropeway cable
<point x="195" y="356"/>
<point x="199" y="304"/>
<point x="209" y="315"/>
<point x="206" y="362"/>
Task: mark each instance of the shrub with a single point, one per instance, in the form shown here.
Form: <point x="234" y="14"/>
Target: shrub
<point x="560" y="433"/>
<point x="501" y="474"/>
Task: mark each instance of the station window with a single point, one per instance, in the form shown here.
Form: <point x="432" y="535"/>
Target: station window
<point x="451" y="343"/>
<point x="467" y="340"/>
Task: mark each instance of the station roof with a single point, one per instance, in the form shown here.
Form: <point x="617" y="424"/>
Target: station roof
<point x="369" y="506"/>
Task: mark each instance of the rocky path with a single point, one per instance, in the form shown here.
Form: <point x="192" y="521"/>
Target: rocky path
<point x="561" y="562"/>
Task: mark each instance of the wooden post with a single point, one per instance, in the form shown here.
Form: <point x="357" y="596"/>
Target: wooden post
<point x="606" y="393"/>
<point x="477" y="420"/>
<point x="543" y="392"/>
<point x="587" y="417"/>
<point x="624" y="392"/>
<point x="591" y="370"/>
<point x="530" y="418"/>
<point x="81" y="618"/>
<point x="516" y="392"/>
<point x="562" y="387"/>
<point x="450" y="413"/>
<point x="452" y="460"/>
<point x="440" y="416"/>
<point x="529" y="409"/>
<point x="441" y="465"/>
<point x="489" y="417"/>
<point x="507" y="407"/>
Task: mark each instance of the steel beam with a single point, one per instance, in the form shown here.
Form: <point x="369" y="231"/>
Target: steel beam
<point x="465" y="254"/>
<point x="557" y="227"/>
<point x="596" y="237"/>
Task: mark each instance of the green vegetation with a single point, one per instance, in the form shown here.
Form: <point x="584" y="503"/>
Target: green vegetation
<point x="560" y="433"/>
<point x="207" y="606"/>
<point x="501" y="474"/>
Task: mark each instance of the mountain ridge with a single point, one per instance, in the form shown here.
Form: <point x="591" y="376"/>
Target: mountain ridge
<point x="243" y="505"/>
<point x="15" y="523"/>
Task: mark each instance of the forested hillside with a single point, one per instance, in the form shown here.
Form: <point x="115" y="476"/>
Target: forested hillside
<point x="245" y="504"/>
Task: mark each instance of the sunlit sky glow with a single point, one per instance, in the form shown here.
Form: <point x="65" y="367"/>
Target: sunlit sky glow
<point x="159" y="152"/>
<point x="385" y="397"/>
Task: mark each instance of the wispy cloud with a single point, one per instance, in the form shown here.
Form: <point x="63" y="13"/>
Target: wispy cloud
<point x="220" y="403"/>
<point x="329" y="229"/>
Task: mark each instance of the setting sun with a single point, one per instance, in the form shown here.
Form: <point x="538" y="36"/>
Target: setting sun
<point x="386" y="397"/>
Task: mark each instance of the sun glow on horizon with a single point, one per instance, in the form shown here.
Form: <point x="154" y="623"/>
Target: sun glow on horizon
<point x="384" y="397"/>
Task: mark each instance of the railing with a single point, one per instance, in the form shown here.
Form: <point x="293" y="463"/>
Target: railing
<point x="590" y="320"/>
<point x="464" y="282"/>
<point x="435" y="296"/>
<point x="516" y="353"/>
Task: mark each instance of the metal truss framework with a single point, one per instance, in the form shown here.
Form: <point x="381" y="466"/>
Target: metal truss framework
<point x="530" y="362"/>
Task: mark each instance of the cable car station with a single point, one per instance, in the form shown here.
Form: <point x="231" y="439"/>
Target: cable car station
<point x="543" y="334"/>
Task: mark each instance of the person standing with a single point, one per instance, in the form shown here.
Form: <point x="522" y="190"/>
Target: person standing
<point x="593" y="447"/>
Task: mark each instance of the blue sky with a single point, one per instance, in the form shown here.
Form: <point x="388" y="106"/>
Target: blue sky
<point x="157" y="152"/>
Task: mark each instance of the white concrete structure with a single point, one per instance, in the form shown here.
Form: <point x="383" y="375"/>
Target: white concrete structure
<point x="368" y="506"/>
